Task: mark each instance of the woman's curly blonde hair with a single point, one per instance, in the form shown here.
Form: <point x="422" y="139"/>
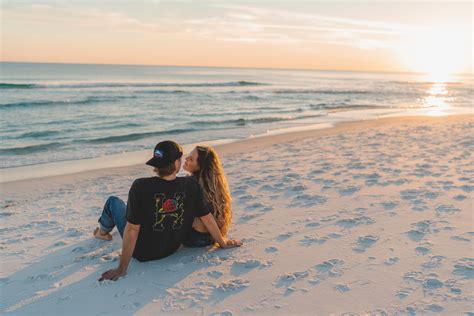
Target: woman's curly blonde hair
<point x="216" y="191"/>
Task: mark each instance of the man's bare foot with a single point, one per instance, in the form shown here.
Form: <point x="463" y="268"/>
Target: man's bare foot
<point x="101" y="235"/>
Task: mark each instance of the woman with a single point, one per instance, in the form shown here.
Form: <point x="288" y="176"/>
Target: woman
<point x="204" y="164"/>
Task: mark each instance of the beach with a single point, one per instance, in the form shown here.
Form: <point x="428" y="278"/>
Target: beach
<point x="367" y="217"/>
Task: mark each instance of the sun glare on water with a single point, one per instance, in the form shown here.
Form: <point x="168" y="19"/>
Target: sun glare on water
<point x="437" y="99"/>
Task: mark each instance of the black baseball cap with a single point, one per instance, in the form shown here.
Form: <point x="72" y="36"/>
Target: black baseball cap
<point x="165" y="153"/>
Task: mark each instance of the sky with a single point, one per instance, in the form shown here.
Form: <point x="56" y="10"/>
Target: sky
<point x="427" y="36"/>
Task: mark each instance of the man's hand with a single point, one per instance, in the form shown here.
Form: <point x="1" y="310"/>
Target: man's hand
<point x="113" y="274"/>
<point x="232" y="243"/>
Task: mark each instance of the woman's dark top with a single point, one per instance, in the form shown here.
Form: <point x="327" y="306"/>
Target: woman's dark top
<point x="198" y="239"/>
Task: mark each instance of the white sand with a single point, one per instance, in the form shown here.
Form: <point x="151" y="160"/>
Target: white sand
<point x="369" y="217"/>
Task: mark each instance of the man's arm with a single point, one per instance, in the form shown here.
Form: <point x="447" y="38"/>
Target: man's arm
<point x="211" y="226"/>
<point x="130" y="236"/>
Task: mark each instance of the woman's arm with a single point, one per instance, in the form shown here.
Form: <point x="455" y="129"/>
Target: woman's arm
<point x="211" y="226"/>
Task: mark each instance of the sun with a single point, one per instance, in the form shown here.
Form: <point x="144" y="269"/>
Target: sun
<point x="438" y="52"/>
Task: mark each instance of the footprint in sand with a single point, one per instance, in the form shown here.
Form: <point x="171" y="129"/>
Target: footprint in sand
<point x="453" y="286"/>
<point x="435" y="308"/>
<point x="298" y="188"/>
<point x="360" y="210"/>
<point x="214" y="274"/>
<point x="446" y="209"/>
<point x="312" y="223"/>
<point x="342" y="288"/>
<point x="371" y="179"/>
<point x="244" y="266"/>
<point x="388" y="206"/>
<point x="285" y="236"/>
<point x="255" y="206"/>
<point x="288" y="278"/>
<point x="109" y="258"/>
<point x="247" y="217"/>
<point x="365" y="242"/>
<point x="460" y="197"/>
<point x="330" y="268"/>
<point x="73" y="232"/>
<point x="329" y="218"/>
<point x="127" y="292"/>
<point x="306" y="200"/>
<point x="348" y="190"/>
<point x="464" y="267"/>
<point x="239" y="192"/>
<point x="434" y="262"/>
<point x="467" y="188"/>
<point x="403" y="293"/>
<point x="309" y="241"/>
<point x="460" y="238"/>
<point x="356" y="166"/>
<point x="355" y="221"/>
<point x="271" y="249"/>
<point x="429" y="282"/>
<point x="224" y="313"/>
<point x="432" y="283"/>
<point x="317" y="172"/>
<point x="39" y="277"/>
<point x="267" y="188"/>
<point x="421" y="228"/>
<point x="424" y="248"/>
<point x="391" y="261"/>
<point x="246" y="198"/>
<point x="415" y="194"/>
<point x="233" y="285"/>
<point x="291" y="175"/>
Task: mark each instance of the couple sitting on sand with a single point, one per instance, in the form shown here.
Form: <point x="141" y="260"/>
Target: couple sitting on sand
<point x="166" y="211"/>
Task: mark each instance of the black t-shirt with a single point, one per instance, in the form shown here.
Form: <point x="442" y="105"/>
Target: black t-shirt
<point x="165" y="210"/>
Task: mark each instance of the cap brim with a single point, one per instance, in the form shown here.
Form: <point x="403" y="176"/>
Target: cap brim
<point x="154" y="162"/>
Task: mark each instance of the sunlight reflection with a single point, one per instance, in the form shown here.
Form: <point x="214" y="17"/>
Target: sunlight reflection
<point x="437" y="97"/>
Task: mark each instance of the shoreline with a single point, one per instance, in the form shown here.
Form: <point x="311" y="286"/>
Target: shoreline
<point x="223" y="147"/>
<point x="132" y="158"/>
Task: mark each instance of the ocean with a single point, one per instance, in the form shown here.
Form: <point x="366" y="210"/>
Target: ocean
<point x="60" y="112"/>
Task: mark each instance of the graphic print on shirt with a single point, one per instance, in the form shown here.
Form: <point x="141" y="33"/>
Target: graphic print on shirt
<point x="168" y="208"/>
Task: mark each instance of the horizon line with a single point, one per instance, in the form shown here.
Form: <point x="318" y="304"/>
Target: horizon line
<point x="226" y="67"/>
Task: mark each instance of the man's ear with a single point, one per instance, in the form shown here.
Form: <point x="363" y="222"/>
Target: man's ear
<point x="177" y="165"/>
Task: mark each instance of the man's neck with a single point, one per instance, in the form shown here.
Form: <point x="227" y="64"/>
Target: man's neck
<point x="170" y="177"/>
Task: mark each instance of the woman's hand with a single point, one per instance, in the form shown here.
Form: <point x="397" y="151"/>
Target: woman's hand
<point x="232" y="243"/>
<point x="211" y="226"/>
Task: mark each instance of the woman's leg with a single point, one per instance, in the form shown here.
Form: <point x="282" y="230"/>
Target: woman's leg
<point x="113" y="215"/>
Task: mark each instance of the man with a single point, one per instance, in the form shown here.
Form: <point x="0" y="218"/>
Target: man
<point x="159" y="213"/>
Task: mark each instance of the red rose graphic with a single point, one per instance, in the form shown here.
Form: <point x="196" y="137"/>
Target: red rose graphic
<point x="170" y="206"/>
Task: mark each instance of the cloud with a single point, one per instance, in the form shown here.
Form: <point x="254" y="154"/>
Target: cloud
<point x="230" y="23"/>
<point x="66" y="15"/>
<point x="252" y="24"/>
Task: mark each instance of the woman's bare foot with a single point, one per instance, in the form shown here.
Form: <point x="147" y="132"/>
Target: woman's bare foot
<point x="101" y="235"/>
